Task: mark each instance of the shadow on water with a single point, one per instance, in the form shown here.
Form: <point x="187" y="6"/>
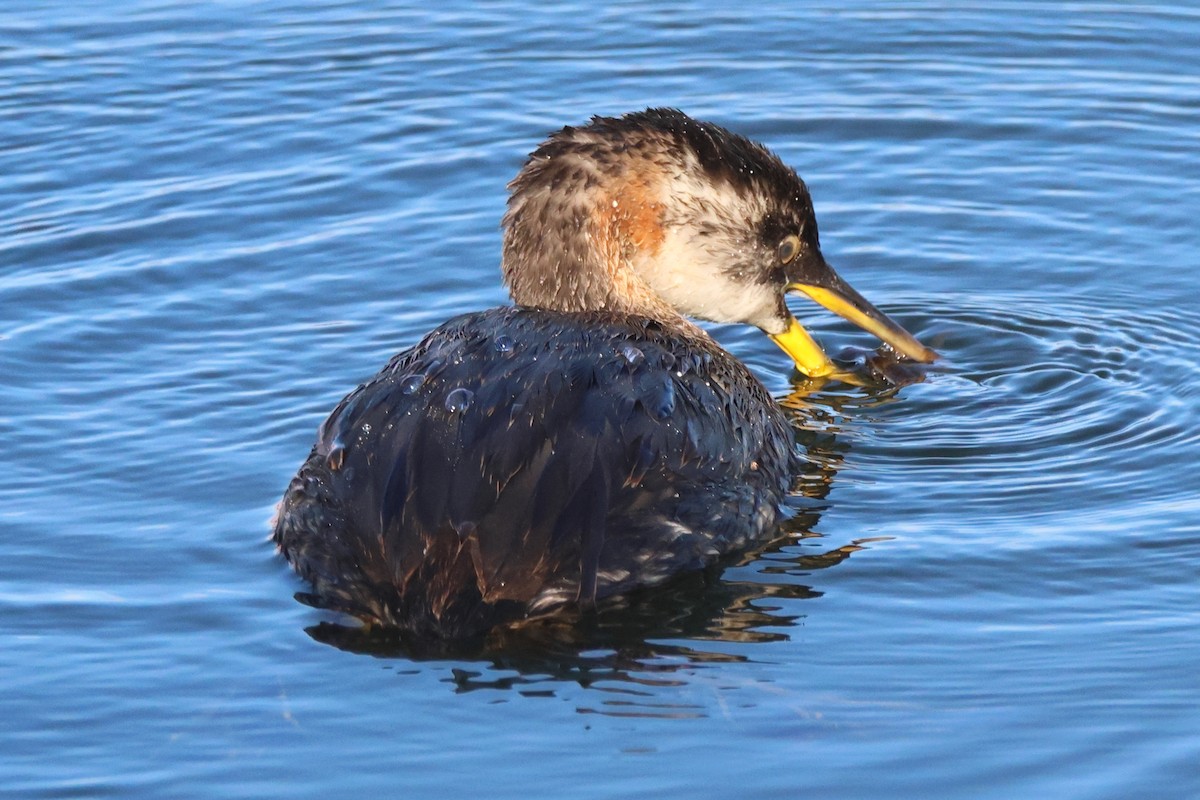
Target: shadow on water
<point x="645" y="637"/>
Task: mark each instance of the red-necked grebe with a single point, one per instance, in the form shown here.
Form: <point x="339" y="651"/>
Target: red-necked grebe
<point x="591" y="440"/>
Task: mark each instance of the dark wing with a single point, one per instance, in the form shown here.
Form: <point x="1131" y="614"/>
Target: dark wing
<point x="519" y="458"/>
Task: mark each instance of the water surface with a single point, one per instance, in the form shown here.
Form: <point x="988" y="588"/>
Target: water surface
<point x="218" y="219"/>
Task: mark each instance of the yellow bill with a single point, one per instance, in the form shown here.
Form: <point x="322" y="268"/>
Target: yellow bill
<point x="808" y="355"/>
<point x="826" y="287"/>
<point x="844" y="301"/>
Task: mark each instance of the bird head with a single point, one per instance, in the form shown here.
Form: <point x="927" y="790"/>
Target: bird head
<point x="658" y="214"/>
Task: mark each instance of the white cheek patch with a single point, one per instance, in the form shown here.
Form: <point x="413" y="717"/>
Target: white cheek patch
<point x="693" y="273"/>
<point x="694" y="280"/>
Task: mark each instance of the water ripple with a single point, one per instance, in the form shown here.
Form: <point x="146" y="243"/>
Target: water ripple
<point x="1043" y="404"/>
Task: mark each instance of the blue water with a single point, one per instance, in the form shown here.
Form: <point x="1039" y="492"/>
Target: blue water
<point x="217" y="219"/>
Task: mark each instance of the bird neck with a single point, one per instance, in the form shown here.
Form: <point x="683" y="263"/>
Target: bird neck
<point x="578" y="239"/>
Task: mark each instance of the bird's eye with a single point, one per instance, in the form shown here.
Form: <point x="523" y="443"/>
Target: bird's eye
<point x="788" y="249"/>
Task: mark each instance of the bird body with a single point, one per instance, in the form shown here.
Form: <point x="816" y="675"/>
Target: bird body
<point x="590" y="440"/>
<point x="520" y="460"/>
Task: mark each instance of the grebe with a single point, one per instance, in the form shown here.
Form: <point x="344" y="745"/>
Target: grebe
<point x="590" y="440"/>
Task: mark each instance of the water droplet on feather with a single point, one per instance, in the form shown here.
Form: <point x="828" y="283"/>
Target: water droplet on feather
<point x="459" y="400"/>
